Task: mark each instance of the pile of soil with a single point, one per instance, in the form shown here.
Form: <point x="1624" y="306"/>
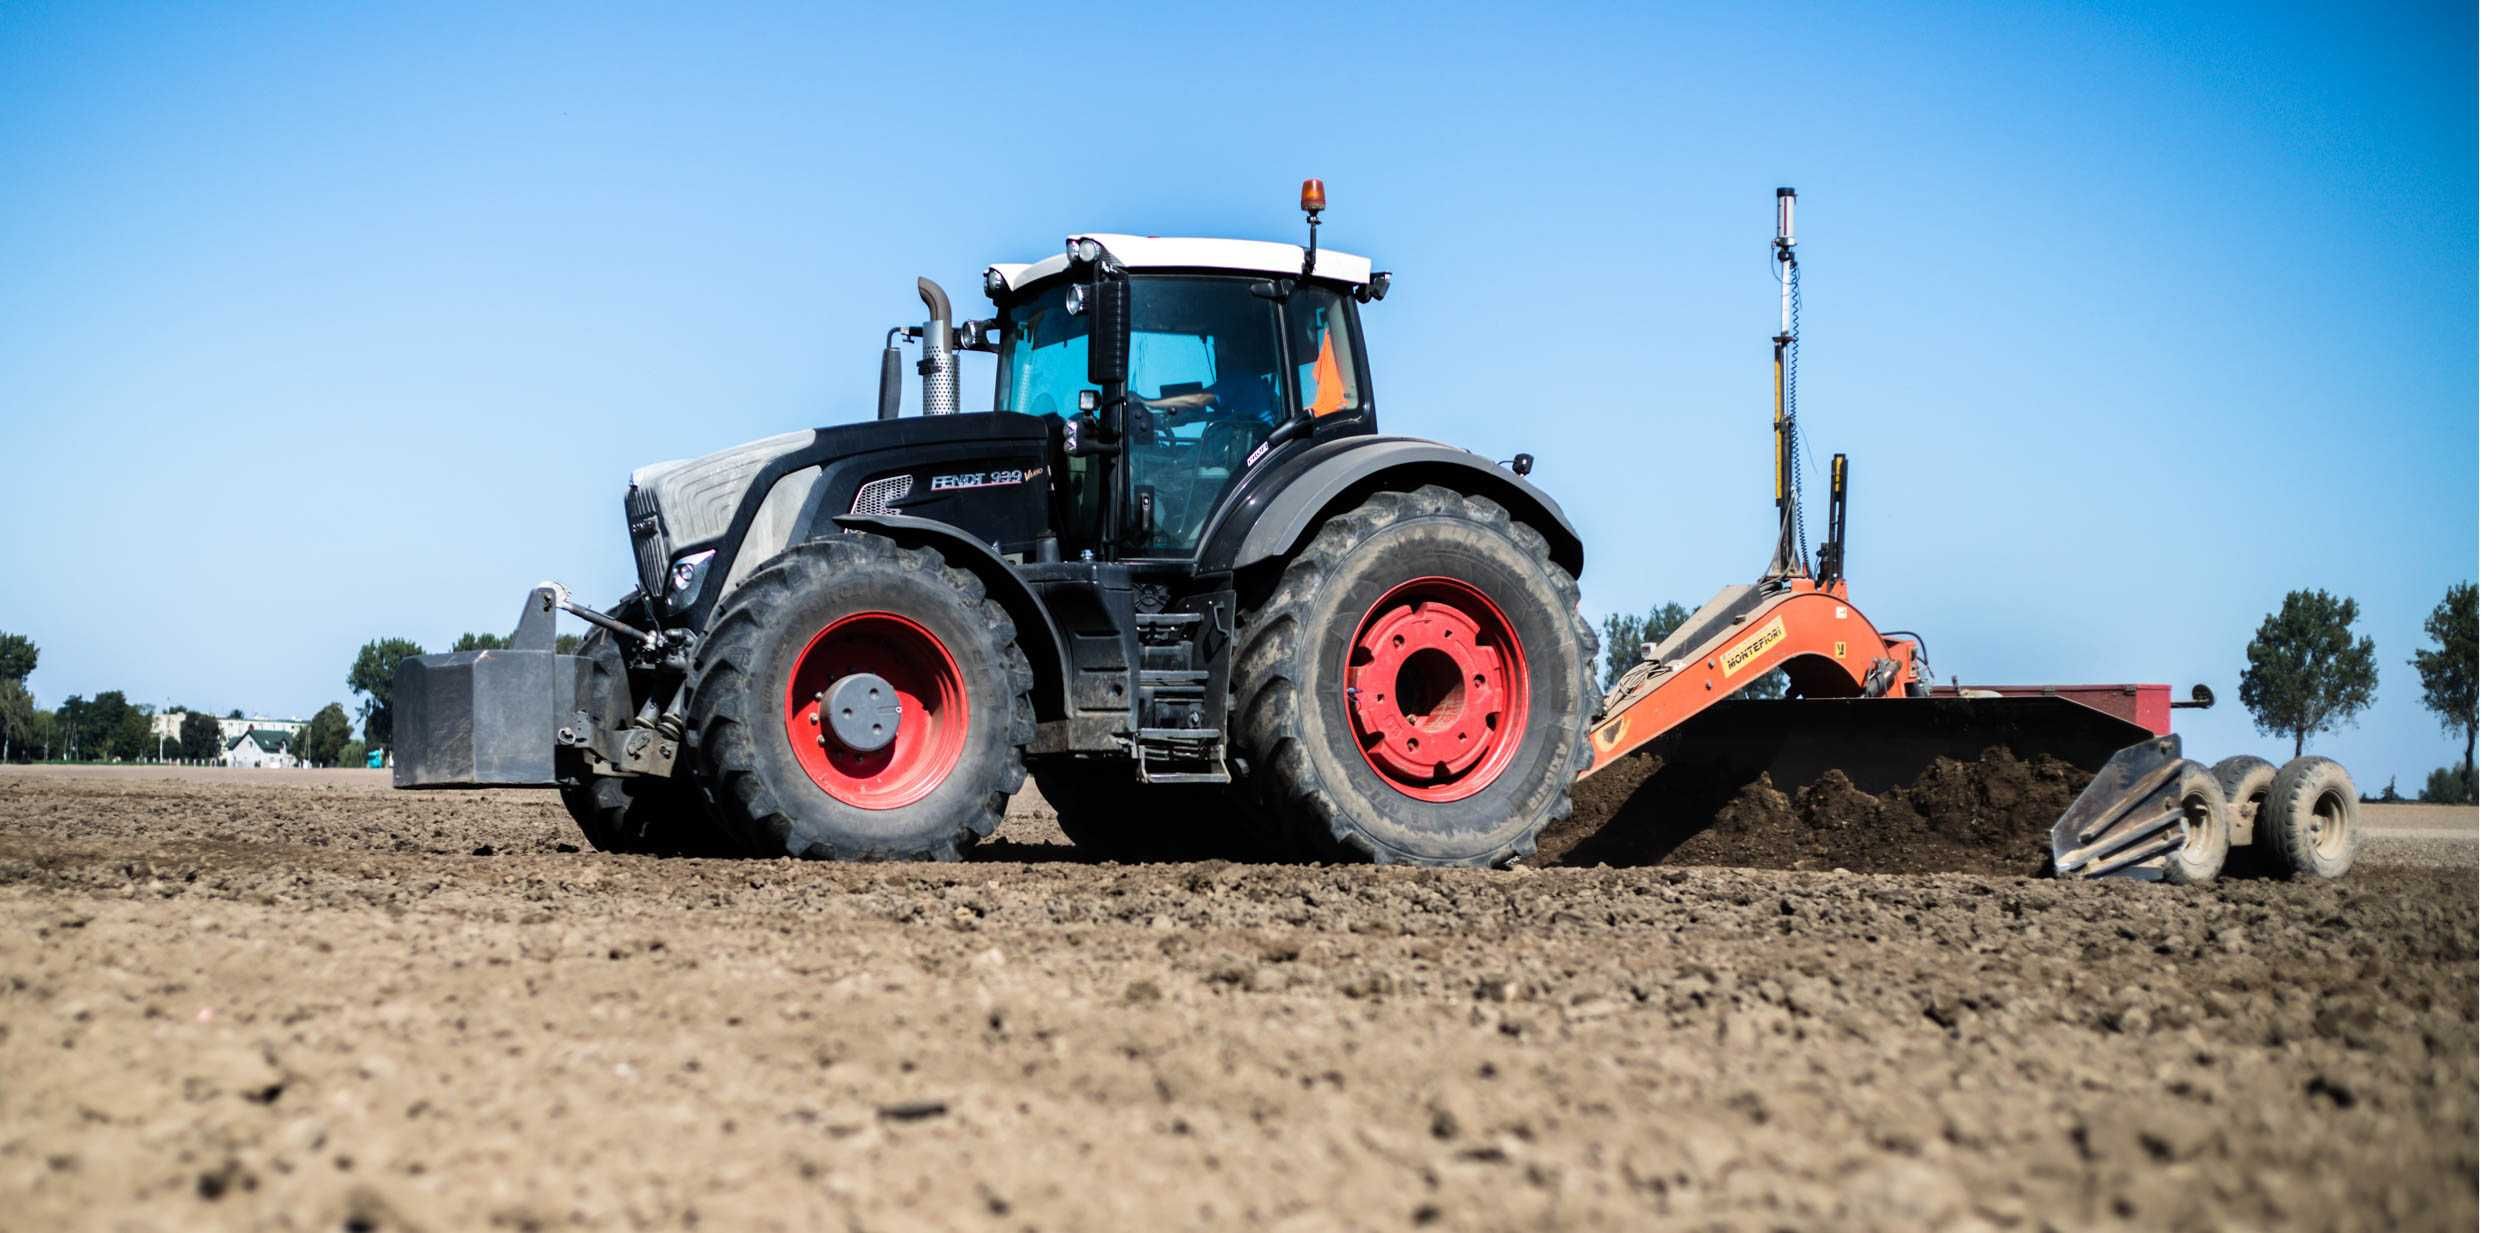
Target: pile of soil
<point x="1988" y="816"/>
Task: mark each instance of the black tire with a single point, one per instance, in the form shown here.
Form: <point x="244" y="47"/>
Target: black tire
<point x="1108" y="815"/>
<point x="2311" y="823"/>
<point x="642" y="815"/>
<point x="2199" y="860"/>
<point x="745" y="675"/>
<point x="1309" y="773"/>
<point x="2245" y="780"/>
<point x="638" y="814"/>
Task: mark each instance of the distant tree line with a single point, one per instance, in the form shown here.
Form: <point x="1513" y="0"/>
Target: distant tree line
<point x="110" y="728"/>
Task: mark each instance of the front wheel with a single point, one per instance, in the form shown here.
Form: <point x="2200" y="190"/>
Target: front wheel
<point x="856" y="699"/>
<point x="1417" y="686"/>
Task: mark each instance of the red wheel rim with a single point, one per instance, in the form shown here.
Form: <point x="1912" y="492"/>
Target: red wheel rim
<point x="928" y="734"/>
<point x="1436" y="689"/>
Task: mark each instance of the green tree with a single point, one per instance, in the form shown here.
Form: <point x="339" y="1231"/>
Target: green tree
<point x="17" y="657"/>
<point x="68" y="720"/>
<point x="236" y="713"/>
<point x="482" y="642"/>
<point x="1625" y="634"/>
<point x="17" y="718"/>
<point x="371" y="676"/>
<point x="2451" y="677"/>
<point x="321" y="740"/>
<point x="2449" y="785"/>
<point x="568" y="644"/>
<point x="200" y="742"/>
<point x="134" y="736"/>
<point x="352" y="754"/>
<point x="43" y="734"/>
<point x="2306" y="671"/>
<point x="95" y="728"/>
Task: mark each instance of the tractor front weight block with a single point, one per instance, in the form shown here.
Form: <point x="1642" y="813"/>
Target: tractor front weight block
<point x="488" y="719"/>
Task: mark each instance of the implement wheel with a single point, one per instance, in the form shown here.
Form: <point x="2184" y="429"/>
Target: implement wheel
<point x="2311" y="823"/>
<point x="1417" y="687"/>
<point x="2199" y="860"/>
<point x="860" y="700"/>
<point x="2246" y="779"/>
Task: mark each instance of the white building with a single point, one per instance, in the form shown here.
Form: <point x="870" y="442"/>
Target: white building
<point x="169" y="725"/>
<point x="259" y="747"/>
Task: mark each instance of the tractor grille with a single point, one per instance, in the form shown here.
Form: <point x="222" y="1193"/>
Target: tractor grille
<point x="671" y="507"/>
<point x="642" y="520"/>
<point x="879" y="496"/>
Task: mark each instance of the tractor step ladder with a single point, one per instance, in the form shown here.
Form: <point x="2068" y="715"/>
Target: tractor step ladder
<point x="1185" y="751"/>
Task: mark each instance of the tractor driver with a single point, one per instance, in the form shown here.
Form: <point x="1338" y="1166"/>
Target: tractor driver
<point x="1239" y="346"/>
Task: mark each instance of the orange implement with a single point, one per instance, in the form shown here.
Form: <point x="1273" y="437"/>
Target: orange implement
<point x="1827" y="646"/>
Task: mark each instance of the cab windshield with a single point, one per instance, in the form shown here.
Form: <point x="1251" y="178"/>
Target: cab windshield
<point x="1214" y="367"/>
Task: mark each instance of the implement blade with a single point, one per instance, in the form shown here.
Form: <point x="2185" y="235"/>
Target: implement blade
<point x="2111" y="830"/>
<point x="1883" y="743"/>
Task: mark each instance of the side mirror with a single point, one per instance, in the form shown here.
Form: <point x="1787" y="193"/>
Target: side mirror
<point x="1106" y="352"/>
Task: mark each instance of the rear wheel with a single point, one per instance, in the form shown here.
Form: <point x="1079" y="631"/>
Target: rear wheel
<point x="860" y="700"/>
<point x="1417" y="687"/>
<point x="2310" y="826"/>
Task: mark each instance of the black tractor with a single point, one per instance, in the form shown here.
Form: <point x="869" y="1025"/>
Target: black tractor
<point x="1177" y="575"/>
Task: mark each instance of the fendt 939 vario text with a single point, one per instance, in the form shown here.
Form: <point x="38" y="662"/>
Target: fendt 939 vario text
<point x="1180" y="578"/>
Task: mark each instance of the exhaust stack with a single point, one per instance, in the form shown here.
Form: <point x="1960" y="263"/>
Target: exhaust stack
<point x="937" y="353"/>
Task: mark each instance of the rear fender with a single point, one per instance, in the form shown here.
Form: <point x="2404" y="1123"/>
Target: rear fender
<point x="1272" y="515"/>
<point x="1035" y="631"/>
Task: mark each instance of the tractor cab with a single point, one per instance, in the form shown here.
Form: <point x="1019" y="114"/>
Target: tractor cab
<point x="1176" y="365"/>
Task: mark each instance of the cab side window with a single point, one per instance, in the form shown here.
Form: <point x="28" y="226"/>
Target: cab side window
<point x="1325" y="378"/>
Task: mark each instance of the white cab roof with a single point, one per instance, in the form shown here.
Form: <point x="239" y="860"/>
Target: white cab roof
<point x="1156" y="252"/>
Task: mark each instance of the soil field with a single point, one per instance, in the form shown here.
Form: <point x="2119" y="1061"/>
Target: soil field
<point x="299" y="1000"/>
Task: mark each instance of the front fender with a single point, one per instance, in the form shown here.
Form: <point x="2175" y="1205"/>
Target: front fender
<point x="1270" y="516"/>
<point x="1035" y="631"/>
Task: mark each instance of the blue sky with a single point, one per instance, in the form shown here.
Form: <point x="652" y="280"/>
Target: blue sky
<point x="319" y="324"/>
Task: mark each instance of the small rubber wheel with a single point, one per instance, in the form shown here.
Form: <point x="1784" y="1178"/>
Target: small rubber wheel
<point x="640" y="814"/>
<point x="2311" y="823"/>
<point x="1109" y="815"/>
<point x="2245" y="780"/>
<point x="1416" y="687"/>
<point x="944" y="707"/>
<point x="2199" y="860"/>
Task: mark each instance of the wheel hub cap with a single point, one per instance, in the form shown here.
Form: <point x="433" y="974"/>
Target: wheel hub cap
<point x="860" y="710"/>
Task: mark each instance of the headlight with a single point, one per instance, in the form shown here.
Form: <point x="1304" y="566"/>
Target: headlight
<point x="1075" y="301"/>
<point x="685" y="578"/>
